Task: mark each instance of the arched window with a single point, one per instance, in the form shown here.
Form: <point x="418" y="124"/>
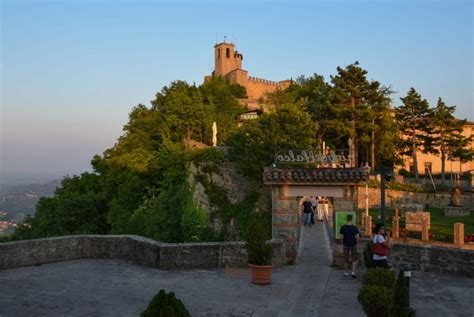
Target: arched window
<point x="227" y="52"/>
<point x="218" y="53"/>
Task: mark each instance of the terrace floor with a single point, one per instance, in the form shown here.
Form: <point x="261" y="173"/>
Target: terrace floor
<point x="119" y="288"/>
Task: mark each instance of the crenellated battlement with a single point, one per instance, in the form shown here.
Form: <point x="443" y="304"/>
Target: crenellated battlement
<point x="265" y="81"/>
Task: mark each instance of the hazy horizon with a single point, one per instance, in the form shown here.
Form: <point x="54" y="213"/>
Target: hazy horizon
<point x="72" y="72"/>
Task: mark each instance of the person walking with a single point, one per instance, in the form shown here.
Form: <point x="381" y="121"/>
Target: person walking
<point x="314" y="205"/>
<point x="350" y="236"/>
<point x="307" y="210"/>
<point x="380" y="247"/>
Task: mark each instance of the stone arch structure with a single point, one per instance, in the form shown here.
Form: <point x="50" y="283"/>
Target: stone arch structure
<point x="288" y="185"/>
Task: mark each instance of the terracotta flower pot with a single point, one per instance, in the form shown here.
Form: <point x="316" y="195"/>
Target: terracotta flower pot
<point x="261" y="274"/>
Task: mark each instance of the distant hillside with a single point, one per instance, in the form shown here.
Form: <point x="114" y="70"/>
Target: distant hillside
<point x="20" y="200"/>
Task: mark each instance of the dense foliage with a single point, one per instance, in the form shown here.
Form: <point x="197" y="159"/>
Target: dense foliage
<point x="375" y="300"/>
<point x="142" y="185"/>
<point x="379" y="277"/>
<point x="165" y="305"/>
<point x="259" y="252"/>
<point x="401" y="299"/>
<point x="383" y="295"/>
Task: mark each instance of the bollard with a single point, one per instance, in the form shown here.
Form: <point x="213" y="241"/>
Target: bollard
<point x="424" y="230"/>
<point x="368" y="226"/>
<point x="407" y="275"/>
<point x="396" y="227"/>
<point x="459" y="233"/>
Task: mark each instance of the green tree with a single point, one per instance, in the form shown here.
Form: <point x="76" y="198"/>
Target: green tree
<point x="413" y="117"/>
<point x="446" y="133"/>
<point x="78" y="207"/>
<point x="221" y="98"/>
<point x="362" y="108"/>
<point x="184" y="112"/>
<point x="256" y="143"/>
<point x="168" y="213"/>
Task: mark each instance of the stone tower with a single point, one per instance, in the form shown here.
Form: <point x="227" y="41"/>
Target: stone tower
<point x="226" y="59"/>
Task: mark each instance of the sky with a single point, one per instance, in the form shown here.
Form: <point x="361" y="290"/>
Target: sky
<point x="71" y="71"/>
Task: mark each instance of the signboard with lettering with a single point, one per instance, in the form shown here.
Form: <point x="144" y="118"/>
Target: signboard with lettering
<point x="331" y="158"/>
<point x="414" y="220"/>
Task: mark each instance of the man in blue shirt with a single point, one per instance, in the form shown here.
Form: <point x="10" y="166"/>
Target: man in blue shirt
<point x="350" y="236"/>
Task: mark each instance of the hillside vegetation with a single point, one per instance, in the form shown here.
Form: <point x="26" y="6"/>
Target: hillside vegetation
<point x="146" y="183"/>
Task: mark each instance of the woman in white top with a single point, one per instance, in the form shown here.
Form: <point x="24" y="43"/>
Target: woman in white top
<point x="380" y="260"/>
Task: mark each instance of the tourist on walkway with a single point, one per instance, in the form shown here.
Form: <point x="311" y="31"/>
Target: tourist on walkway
<point x="381" y="245"/>
<point x="307" y="211"/>
<point x="350" y="236"/>
<point x="314" y="205"/>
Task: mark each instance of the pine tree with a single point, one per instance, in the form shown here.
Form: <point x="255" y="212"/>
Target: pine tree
<point x="363" y="106"/>
<point x="446" y="130"/>
<point x="413" y="118"/>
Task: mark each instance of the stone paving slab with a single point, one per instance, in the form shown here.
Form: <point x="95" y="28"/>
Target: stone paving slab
<point x="93" y="287"/>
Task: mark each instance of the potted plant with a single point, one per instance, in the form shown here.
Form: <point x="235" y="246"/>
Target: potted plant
<point x="259" y="254"/>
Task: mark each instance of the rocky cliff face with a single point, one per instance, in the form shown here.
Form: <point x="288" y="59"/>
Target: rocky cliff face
<point x="225" y="195"/>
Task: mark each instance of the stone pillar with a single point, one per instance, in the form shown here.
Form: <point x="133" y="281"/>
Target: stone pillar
<point x="368" y="226"/>
<point x="459" y="233"/>
<point x="396" y="227"/>
<point x="285" y="221"/>
<point x="424" y="229"/>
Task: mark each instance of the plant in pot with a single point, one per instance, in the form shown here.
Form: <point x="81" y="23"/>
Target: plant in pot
<point x="259" y="253"/>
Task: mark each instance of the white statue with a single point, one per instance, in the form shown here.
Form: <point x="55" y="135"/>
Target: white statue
<point x="214" y="134"/>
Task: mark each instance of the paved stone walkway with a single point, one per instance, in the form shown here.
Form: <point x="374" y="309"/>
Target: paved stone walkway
<point x="119" y="288"/>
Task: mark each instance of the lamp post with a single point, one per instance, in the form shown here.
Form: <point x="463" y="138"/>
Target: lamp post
<point x="382" y="195"/>
<point x="407" y="275"/>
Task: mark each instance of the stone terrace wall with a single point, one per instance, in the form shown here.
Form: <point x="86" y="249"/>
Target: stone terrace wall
<point x="135" y="248"/>
<point x="394" y="197"/>
<point x="436" y="259"/>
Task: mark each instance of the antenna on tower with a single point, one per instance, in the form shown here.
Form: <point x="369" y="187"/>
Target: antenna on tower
<point x="225" y="37"/>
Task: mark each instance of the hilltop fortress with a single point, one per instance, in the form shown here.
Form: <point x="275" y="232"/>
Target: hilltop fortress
<point x="228" y="64"/>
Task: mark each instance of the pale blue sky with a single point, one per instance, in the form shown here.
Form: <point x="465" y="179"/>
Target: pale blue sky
<point x="72" y="70"/>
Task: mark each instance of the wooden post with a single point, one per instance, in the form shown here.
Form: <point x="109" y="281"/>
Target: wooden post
<point x="459" y="233"/>
<point x="396" y="227"/>
<point x="424" y="230"/>
<point x="368" y="226"/>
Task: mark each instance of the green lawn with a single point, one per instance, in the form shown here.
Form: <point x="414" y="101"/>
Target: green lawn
<point x="442" y="227"/>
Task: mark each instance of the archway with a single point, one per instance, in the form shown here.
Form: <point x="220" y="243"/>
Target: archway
<point x="288" y="185"/>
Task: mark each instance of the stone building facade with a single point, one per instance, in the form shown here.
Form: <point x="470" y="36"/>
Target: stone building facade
<point x="433" y="161"/>
<point x="228" y="64"/>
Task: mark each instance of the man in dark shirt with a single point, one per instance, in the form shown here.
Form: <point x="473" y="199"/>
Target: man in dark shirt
<point x="350" y="235"/>
<point x="307" y="211"/>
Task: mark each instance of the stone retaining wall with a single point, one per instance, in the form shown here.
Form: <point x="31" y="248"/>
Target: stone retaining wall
<point x="393" y="198"/>
<point x="434" y="259"/>
<point x="141" y="250"/>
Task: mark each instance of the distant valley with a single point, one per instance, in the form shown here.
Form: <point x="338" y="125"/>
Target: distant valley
<point x="18" y="201"/>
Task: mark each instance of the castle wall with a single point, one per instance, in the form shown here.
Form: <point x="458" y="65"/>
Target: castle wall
<point x="258" y="88"/>
<point x="238" y="76"/>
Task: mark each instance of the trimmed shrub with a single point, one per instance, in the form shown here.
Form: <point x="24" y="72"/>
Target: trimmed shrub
<point x="379" y="276"/>
<point x="259" y="252"/>
<point x="401" y="299"/>
<point x="368" y="255"/>
<point x="375" y="300"/>
<point x="165" y="305"/>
